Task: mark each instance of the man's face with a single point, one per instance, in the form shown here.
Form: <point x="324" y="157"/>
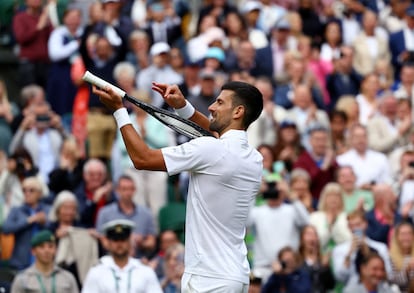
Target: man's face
<point x="125" y="189"/>
<point x="94" y="177"/>
<point x="45" y="252"/>
<point x="346" y="178"/>
<point x="221" y="112"/>
<point x="373" y="272"/>
<point x="119" y="248"/>
<point x="359" y="139"/>
<point x="356" y="223"/>
<point x="319" y="142"/>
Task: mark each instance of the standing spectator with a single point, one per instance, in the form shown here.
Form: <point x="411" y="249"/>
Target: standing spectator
<point x="63" y="48"/>
<point x="25" y="221"/>
<point x="159" y="70"/>
<point x="370" y="167"/>
<point x="287" y="275"/>
<point x="347" y="256"/>
<point x="318" y="161"/>
<point x="402" y="255"/>
<point x="315" y="261"/>
<point x="372" y="277"/>
<point x="118" y="271"/>
<point x="94" y="191"/>
<point x="32" y="28"/>
<point x="344" y="80"/>
<point x="330" y="220"/>
<point x="354" y="198"/>
<point x="369" y="46"/>
<point x="44" y="273"/>
<point x="143" y="234"/>
<point x="271" y="238"/>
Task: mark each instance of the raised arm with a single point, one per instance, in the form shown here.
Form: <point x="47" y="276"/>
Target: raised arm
<point x="175" y="99"/>
<point x="141" y="155"/>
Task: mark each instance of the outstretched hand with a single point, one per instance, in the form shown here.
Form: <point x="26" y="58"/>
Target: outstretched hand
<point x="171" y="94"/>
<point x="108" y="97"/>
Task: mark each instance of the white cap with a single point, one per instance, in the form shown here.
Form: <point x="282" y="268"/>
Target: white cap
<point x="159" y="48"/>
<point x="251" y="5"/>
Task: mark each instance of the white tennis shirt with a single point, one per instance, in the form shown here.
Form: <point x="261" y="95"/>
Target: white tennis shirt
<point x="225" y="176"/>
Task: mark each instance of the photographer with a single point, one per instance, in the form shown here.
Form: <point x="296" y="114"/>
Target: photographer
<point x="282" y="206"/>
<point x="287" y="276"/>
<point x="41" y="133"/>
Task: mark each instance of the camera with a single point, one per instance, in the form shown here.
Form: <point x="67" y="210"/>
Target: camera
<point x="271" y="191"/>
<point x="43" y="118"/>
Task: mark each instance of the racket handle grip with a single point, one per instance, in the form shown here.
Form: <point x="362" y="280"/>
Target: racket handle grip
<point x="99" y="82"/>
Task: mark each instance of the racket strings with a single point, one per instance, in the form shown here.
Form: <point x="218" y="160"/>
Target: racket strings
<point x="180" y="126"/>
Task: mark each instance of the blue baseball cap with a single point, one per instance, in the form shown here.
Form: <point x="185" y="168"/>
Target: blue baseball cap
<point x="216" y="53"/>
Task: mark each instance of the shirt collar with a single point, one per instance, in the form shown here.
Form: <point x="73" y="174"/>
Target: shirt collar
<point x="233" y="133"/>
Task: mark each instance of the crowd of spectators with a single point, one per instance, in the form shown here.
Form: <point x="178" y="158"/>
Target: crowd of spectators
<point x="336" y="208"/>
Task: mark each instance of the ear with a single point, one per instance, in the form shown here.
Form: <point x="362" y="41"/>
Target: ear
<point x="238" y="112"/>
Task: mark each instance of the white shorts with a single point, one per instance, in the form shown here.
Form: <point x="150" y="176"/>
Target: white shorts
<point x="200" y="284"/>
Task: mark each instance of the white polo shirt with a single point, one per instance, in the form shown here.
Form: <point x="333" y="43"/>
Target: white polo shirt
<point x="225" y="176"/>
<point x="373" y="167"/>
<point x="108" y="277"/>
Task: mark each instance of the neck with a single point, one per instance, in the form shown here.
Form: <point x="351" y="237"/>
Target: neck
<point x="44" y="268"/>
<point x="369" y="287"/>
<point x="121" y="261"/>
<point x="126" y="205"/>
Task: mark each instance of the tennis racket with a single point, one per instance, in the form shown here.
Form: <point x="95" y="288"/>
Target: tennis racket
<point x="173" y="121"/>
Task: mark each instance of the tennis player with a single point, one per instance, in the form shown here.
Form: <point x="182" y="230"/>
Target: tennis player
<point x="225" y="175"/>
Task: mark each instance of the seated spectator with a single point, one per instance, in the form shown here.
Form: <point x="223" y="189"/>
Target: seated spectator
<point x="139" y="45"/>
<point x="385" y="72"/>
<point x="385" y="130"/>
<point x="372" y="276"/>
<point x="405" y="87"/>
<point x="402" y="255"/>
<point x="41" y="133"/>
<point x="174" y="269"/>
<point x="315" y="260"/>
<point x="330" y="220"/>
<point x="395" y="156"/>
<point x="319" y="161"/>
<point x="288" y="146"/>
<point x="367" y="99"/>
<point x="354" y="198"/>
<point x="370" y="167"/>
<point x="270" y="238"/>
<point x="208" y="91"/>
<point x="143" y="234"/>
<point x="405" y="183"/>
<point x="287" y="275"/>
<point x="44" y="272"/>
<point x="331" y="47"/>
<point x="346" y="257"/>
<point x="384" y="216"/>
<point x="68" y="174"/>
<point x="25" y="221"/>
<point x="300" y="183"/>
<point x="94" y="192"/>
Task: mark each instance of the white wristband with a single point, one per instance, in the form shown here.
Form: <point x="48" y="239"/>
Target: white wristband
<point x="122" y="117"/>
<point x="185" y="112"/>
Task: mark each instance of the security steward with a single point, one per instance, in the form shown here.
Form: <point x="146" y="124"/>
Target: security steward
<point x="44" y="276"/>
<point x="118" y="272"/>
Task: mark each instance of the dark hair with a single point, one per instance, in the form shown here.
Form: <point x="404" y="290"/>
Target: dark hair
<point x="248" y="96"/>
<point x="338" y="113"/>
<point x="125" y="177"/>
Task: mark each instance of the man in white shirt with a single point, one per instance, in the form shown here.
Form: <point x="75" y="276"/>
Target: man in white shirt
<point x="118" y="272"/>
<point x="225" y="176"/>
<point x="369" y="166"/>
<point x="347" y="257"/>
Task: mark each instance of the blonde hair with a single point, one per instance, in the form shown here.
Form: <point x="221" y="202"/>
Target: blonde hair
<point x="396" y="254"/>
<point x="330" y="188"/>
<point x="61" y="198"/>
